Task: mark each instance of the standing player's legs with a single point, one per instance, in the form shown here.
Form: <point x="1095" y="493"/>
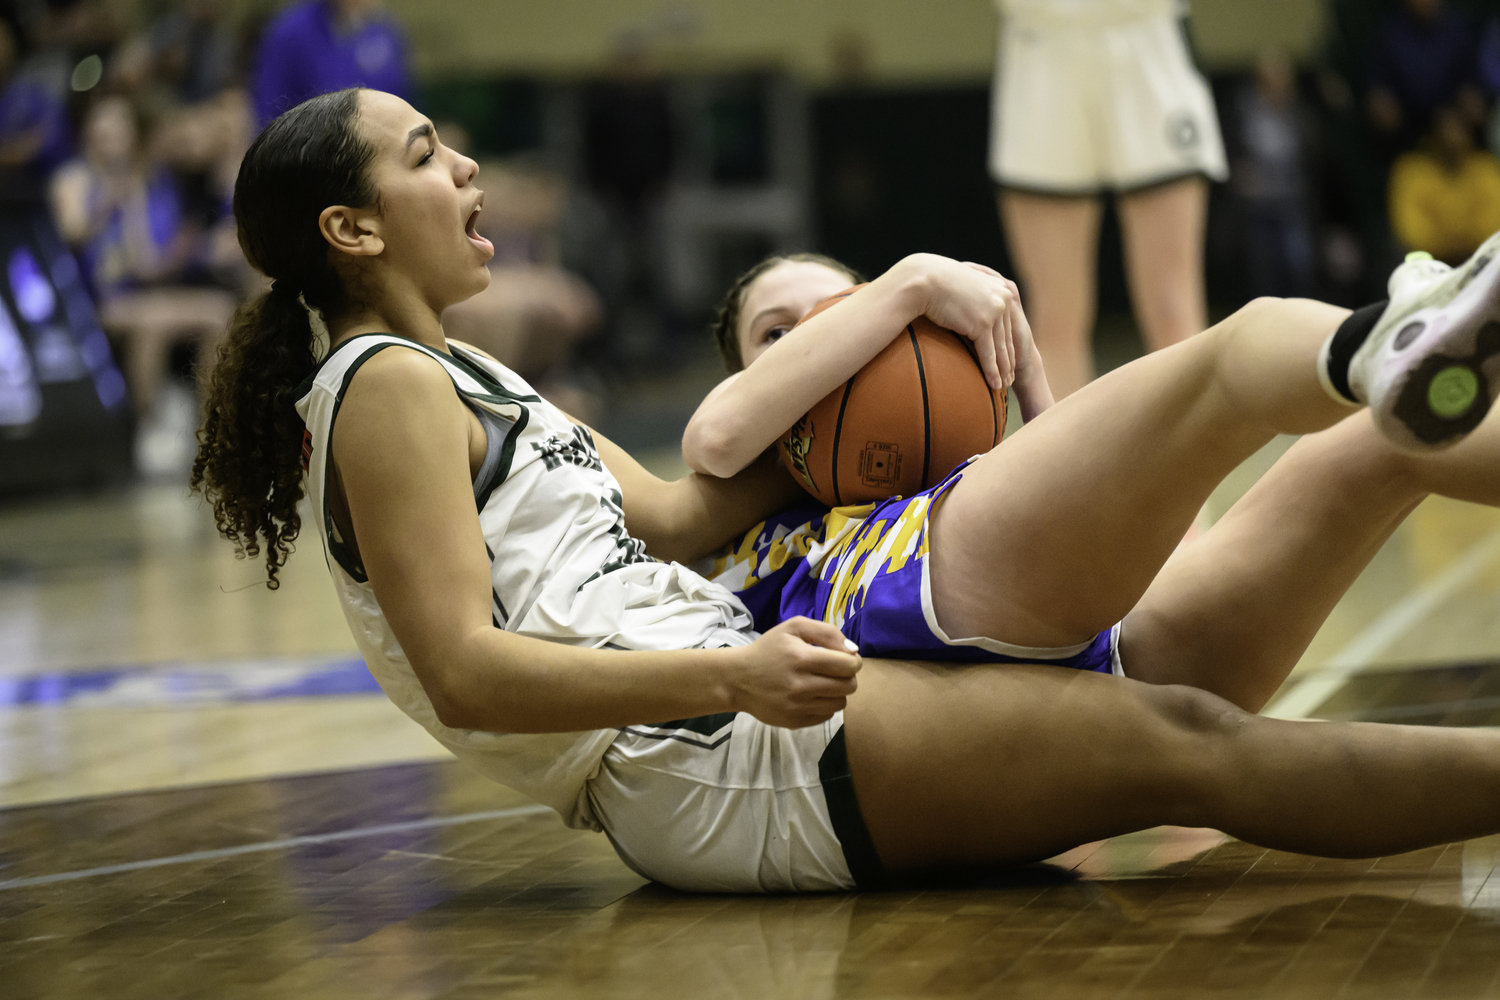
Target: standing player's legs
<point x="1054" y="536"/>
<point x="1054" y="240"/>
<point x="1161" y="229"/>
<point x="1233" y="612"/>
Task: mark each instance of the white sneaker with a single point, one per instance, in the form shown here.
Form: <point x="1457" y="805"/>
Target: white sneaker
<point x="1430" y="368"/>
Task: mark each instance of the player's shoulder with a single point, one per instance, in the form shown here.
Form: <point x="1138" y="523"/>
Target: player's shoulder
<point x="402" y="371"/>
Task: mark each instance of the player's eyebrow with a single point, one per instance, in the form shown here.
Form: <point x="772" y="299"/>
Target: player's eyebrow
<point x="770" y="310"/>
<point x="422" y="131"/>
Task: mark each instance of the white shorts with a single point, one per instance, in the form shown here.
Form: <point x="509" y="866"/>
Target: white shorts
<point x="1080" y="110"/>
<point x="727" y="803"/>
<point x="724" y="803"/>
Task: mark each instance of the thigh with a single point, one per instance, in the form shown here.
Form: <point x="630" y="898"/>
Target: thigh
<point x="999" y="764"/>
<point x="1162" y="230"/>
<point x="1233" y="612"/>
<point x="1054" y="241"/>
<point x="1054" y="535"/>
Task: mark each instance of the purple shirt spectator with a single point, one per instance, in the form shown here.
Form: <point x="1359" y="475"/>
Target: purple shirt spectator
<point x="306" y="52"/>
<point x="1424" y="60"/>
<point x="106" y="257"/>
<point x="27" y="110"/>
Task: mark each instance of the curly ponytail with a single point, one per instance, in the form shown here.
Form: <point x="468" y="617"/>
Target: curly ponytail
<point x="726" y="324"/>
<point x="249" y="449"/>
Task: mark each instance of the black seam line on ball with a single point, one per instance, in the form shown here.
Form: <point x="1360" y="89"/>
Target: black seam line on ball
<point x="838" y="431"/>
<point x="916" y="349"/>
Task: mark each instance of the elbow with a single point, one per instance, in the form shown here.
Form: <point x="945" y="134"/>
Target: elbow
<point x="451" y="714"/>
<point x="452" y="710"/>
<point x="451" y="702"/>
<point x="710" y="449"/>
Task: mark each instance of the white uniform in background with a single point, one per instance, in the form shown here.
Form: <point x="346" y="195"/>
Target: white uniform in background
<point x="722" y="802"/>
<point x="1098" y="95"/>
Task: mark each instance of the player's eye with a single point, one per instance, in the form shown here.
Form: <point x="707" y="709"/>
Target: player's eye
<point x="775" y="333"/>
<point x="423" y="160"/>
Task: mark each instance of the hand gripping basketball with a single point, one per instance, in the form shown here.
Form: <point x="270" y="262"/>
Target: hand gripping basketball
<point x="798" y="674"/>
<point x="902" y="422"/>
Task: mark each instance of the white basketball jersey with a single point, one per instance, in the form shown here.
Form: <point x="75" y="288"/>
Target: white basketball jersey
<point x="562" y="566"/>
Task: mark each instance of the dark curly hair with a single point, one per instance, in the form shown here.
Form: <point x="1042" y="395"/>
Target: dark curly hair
<point x="249" y="463"/>
<point x="726" y="323"/>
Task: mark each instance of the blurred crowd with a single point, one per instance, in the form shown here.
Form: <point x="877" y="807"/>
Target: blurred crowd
<point x="1387" y="145"/>
<point x="129" y="133"/>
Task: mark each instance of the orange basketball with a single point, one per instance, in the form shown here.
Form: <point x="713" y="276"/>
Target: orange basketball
<point x="901" y="424"/>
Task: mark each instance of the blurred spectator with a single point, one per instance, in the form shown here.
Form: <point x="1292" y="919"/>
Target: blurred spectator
<point x="322" y="45"/>
<point x="1445" y="197"/>
<point x="629" y="135"/>
<point x="34" y="134"/>
<point x="194" y="49"/>
<point x="1423" y="57"/>
<point x="120" y="211"/>
<point x="534" y="314"/>
<point x="203" y="144"/>
<point x="629" y="154"/>
<point x="1269" y="177"/>
<point x="119" y="208"/>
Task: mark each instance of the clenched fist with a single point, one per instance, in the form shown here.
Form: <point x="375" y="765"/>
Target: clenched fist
<point x="798" y="674"/>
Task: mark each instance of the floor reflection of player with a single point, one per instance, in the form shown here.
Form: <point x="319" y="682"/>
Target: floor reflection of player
<point x="478" y="544"/>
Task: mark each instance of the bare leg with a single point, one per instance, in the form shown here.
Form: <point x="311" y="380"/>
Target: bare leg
<point x="1014" y="763"/>
<point x="1233" y="612"/>
<point x="1056" y="534"/>
<point x="1055" y="244"/>
<point x="1162" y="232"/>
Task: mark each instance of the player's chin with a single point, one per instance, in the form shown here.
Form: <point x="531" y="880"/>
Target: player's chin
<point x="475" y="281"/>
<point x="461" y="283"/>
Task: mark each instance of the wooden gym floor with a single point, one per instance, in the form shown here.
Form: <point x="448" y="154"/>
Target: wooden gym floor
<point x="202" y="794"/>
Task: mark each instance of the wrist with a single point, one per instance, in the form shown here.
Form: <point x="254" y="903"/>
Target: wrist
<point x="726" y="690"/>
<point x="911" y="285"/>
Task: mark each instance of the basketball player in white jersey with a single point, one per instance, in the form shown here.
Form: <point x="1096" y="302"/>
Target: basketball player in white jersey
<point x="509" y="576"/>
<point x="1093" y="97"/>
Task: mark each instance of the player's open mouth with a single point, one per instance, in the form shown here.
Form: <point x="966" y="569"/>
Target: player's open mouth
<point x="473" y="234"/>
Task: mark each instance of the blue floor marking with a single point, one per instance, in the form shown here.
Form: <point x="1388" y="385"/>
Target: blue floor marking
<point x="191" y="684"/>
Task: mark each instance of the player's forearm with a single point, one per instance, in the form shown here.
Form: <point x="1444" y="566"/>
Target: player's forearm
<point x="1033" y="392"/>
<point x="707" y="512"/>
<point x="497" y="681"/>
<point x="734" y="427"/>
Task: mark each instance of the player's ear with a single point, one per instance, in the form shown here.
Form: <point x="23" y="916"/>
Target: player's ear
<point x="354" y="231"/>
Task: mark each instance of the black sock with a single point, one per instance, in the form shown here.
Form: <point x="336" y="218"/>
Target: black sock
<point x="1347" y="339"/>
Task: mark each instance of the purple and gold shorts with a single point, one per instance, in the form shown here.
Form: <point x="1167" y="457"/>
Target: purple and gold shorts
<point x="865" y="570"/>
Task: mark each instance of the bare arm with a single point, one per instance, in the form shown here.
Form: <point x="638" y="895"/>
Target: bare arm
<point x="747" y="413"/>
<point x="692" y="517"/>
<point x="401" y="450"/>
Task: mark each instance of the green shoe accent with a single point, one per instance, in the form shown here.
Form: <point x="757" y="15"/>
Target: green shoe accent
<point x="1418" y="255"/>
<point x="1452" y="392"/>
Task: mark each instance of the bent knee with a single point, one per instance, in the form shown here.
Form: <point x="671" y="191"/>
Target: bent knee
<point x="1196" y="713"/>
<point x="1204" y="733"/>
